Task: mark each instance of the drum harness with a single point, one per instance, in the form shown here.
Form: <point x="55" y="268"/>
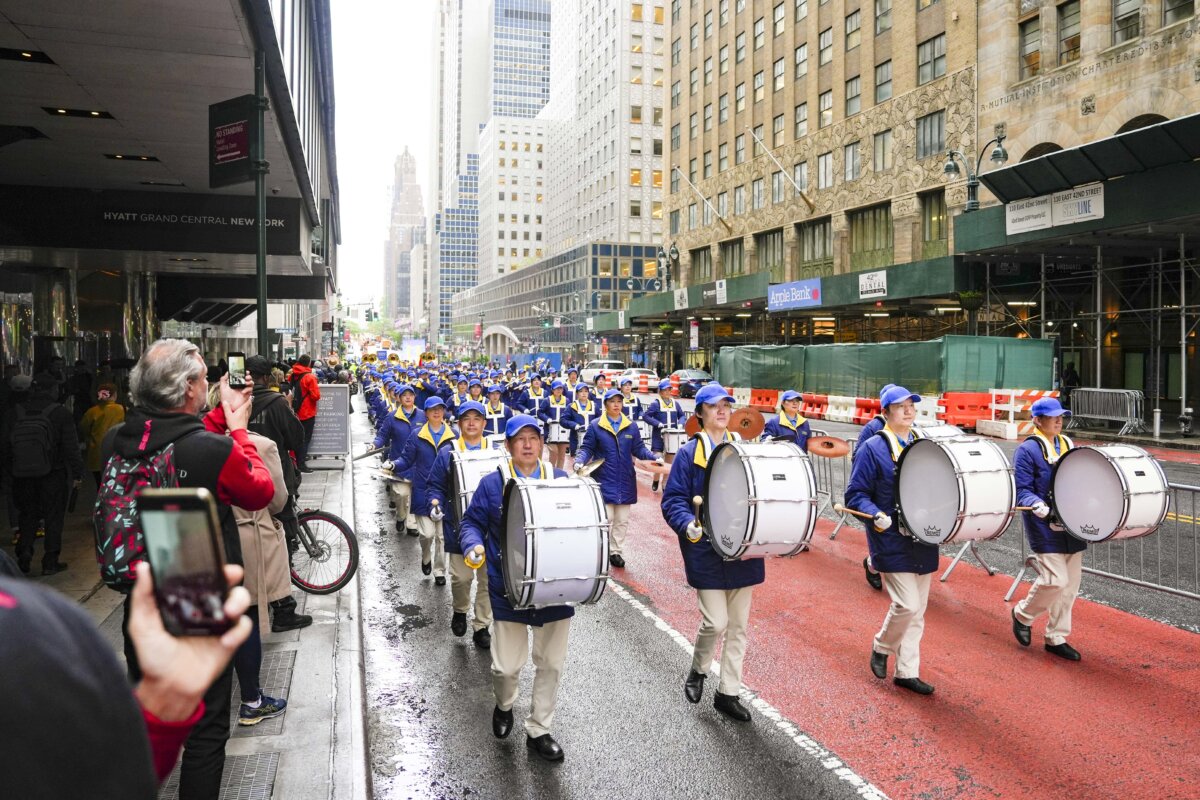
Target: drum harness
<point x="895" y="448"/>
<point x="1052" y="452"/>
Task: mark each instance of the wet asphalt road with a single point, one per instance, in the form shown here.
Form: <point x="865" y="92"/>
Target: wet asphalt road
<point x="621" y="718"/>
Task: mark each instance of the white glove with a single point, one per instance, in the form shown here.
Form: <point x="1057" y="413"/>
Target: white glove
<point x="474" y="559"/>
<point x="882" y="521"/>
<point x="436" y="514"/>
<point x="388" y="465"/>
<point x="1040" y="510"/>
<point x="695" y="531"/>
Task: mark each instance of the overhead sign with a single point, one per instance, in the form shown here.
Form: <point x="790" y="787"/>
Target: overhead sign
<point x="621" y="319"/>
<point x="232" y="125"/>
<point x="1030" y="214"/>
<point x="872" y="285"/>
<point x="797" y="294"/>
<point x="681" y="299"/>
<point x="694" y="334"/>
<point x="591" y="324"/>
<point x="723" y="330"/>
<point x="722" y="293"/>
<point x="286" y="331"/>
<point x="1079" y="204"/>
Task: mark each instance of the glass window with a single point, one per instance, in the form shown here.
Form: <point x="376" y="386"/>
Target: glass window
<point x="674" y="180"/>
<point x="778" y="16"/>
<point x="739" y="97"/>
<point x="760" y="86"/>
<point x="853" y="95"/>
<point x="853" y="30"/>
<point x="635" y="145"/>
<point x="723" y="108"/>
<point x="723" y="157"/>
<point x="635" y="177"/>
<point x="707" y="213"/>
<point x="693" y="218"/>
<point x="931" y="59"/>
<point x="675" y="136"/>
<point x="850" y="159"/>
<point x="824" y="170"/>
<point x="708" y="163"/>
<point x="635" y="208"/>
<point x="635" y="114"/>
<point x="694" y="77"/>
<point x="777" y="184"/>
<point x="708" y="117"/>
<point x="658" y="15"/>
<point x="692" y="170"/>
<point x="739" y="148"/>
<point x="923" y="4"/>
<point x="656" y="178"/>
<point x="778" y="71"/>
<point x="694" y="125"/>
<point x="723" y="13"/>
<point x="1030" y="47"/>
<point x="635" y="74"/>
<point x="676" y="51"/>
<point x="701" y="265"/>
<point x="674" y="222"/>
<point x="676" y="94"/>
<point x="739" y="200"/>
<point x="1177" y="10"/>
<point x="870" y="229"/>
<point x="883" y="16"/>
<point x="883" y="151"/>
<point x="777" y="130"/>
<point x="883" y="81"/>
<point x="758" y="197"/>
<point x="708" y="24"/>
<point x="724" y="59"/>
<point x="801" y="120"/>
<point x="825" y="45"/>
<point x="825" y="108"/>
<point x="760" y="32"/>
<point x="816" y="240"/>
<point x="770" y="254"/>
<point x="758" y="137"/>
<point x="739" y="48"/>
<point x="802" y="60"/>
<point x="708" y="71"/>
<point x="1068" y="32"/>
<point x="695" y="35"/>
<point x="637" y="12"/>
<point x="800" y="175"/>
<point x="801" y="9"/>
<point x="733" y="256"/>
<point x="1127" y="20"/>
<point x="676" y="8"/>
<point x="933" y="216"/>
<point x="931" y="134"/>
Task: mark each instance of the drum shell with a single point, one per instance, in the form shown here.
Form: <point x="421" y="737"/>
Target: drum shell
<point x="467" y="468"/>
<point x="1123" y="496"/>
<point x="958" y="489"/>
<point x="645" y="430"/>
<point x="763" y="503"/>
<point x="557" y="433"/>
<point x="673" y="439"/>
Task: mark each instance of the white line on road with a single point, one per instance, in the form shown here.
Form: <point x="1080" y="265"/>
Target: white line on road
<point x="806" y="743"/>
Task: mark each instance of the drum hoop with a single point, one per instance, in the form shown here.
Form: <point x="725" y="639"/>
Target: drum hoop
<point x="751" y="510"/>
<point x="602" y="566"/>
<point x="962" y="489"/>
<point x="1127" y="506"/>
<point x="510" y="487"/>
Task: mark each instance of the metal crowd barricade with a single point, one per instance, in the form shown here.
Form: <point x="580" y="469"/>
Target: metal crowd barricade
<point x="1126" y="406"/>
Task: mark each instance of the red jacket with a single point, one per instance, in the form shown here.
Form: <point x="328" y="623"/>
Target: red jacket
<point x="309" y="389"/>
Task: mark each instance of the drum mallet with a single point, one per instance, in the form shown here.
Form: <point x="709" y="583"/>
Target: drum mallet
<point x="369" y="453"/>
<point x="697" y="501"/>
<point x="841" y="509"/>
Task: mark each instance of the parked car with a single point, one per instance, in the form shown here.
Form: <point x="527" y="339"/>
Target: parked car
<point x="593" y="369"/>
<point x="635" y="374"/>
<point x="690" y="381"/>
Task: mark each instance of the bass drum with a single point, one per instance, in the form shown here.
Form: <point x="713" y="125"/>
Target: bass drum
<point x="760" y="499"/>
<point x="554" y="542"/>
<point x="557" y="433"/>
<point x="645" y="430"/>
<point x="955" y="490"/>
<point x="467" y="468"/>
<point x="673" y="439"/>
<point x="1113" y="491"/>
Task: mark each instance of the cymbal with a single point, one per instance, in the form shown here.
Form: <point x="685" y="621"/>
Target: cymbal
<point x="828" y="446"/>
<point x="589" y="468"/>
<point x="747" y="423"/>
<point x="692" y="426"/>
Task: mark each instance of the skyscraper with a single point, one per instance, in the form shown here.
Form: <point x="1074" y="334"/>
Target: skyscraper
<point x="405" y="228"/>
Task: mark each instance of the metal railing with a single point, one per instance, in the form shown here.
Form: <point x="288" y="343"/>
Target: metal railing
<point x="1126" y="406"/>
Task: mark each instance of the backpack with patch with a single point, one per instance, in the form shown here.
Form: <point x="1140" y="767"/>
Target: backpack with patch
<point x="297" y="392"/>
<point x="33" y="443"/>
<point x="120" y="544"/>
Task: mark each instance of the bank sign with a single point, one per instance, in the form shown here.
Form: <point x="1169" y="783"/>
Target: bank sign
<point x="797" y="294"/>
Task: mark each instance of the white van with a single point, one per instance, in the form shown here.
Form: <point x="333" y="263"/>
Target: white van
<point x="594" y="369"/>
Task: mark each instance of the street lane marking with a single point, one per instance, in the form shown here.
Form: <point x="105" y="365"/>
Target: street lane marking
<point x="806" y="743"/>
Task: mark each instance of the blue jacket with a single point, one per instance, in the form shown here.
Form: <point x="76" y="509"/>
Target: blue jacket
<point x="872" y="489"/>
<point x="581" y="415"/>
<point x="549" y="412"/>
<point x="632" y="407"/>
<point x="1032" y="473"/>
<point x="454" y="401"/>
<point x="496" y="420"/>
<point x="874" y="426"/>
<point x="420" y="452"/>
<point x="481" y="525"/>
<point x="704" y="567"/>
<point x="394" y="431"/>
<point x="658" y="417"/>
<point x="782" y="428"/>
<point x="439" y="489"/>
<point x="618" y="481"/>
<point x="530" y="404"/>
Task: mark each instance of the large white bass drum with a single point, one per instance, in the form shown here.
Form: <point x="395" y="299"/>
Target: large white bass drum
<point x="553" y="542"/>
<point x="939" y="431"/>
<point x="467" y="468"/>
<point x="1113" y="491"/>
<point x="673" y="439"/>
<point x="557" y="433"/>
<point x="760" y="499"/>
<point x="957" y="489"/>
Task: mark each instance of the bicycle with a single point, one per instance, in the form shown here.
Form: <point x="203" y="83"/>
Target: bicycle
<point x="322" y="550"/>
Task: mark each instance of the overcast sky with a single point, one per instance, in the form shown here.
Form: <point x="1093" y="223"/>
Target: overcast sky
<point x="381" y="64"/>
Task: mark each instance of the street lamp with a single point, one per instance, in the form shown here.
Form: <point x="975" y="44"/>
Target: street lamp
<point x="951" y="170"/>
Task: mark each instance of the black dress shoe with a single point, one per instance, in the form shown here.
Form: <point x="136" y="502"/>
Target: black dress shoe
<point x="731" y="706"/>
<point x="1064" y="650"/>
<point x="53" y="569"/>
<point x="426" y="567"/>
<point x="482" y="639"/>
<point x="306" y="470"/>
<point x="1020" y="630"/>
<point x="616" y="560"/>
<point x="879" y="664"/>
<point x="913" y="685"/>
<point x="502" y="722"/>
<point x="414" y="532"/>
<point x="693" y="687"/>
<point x="391" y="503"/>
<point x="458" y="624"/>
<point x="654" y="485"/>
<point x="545" y="746"/>
<point x="400" y="526"/>
<point x="24" y="564"/>
<point x="440" y="580"/>
<point x="873" y="578"/>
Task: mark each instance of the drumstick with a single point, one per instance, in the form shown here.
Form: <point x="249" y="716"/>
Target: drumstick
<point x="697" y="501"/>
<point x="841" y="509"/>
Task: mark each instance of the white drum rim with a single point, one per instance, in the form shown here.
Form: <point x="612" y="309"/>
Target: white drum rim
<point x="1126" y="505"/>
<point x="962" y="494"/>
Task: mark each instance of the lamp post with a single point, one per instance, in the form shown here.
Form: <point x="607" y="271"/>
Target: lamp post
<point x="951" y="170"/>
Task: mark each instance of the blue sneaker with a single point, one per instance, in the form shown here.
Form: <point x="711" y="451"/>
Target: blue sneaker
<point x="268" y="708"/>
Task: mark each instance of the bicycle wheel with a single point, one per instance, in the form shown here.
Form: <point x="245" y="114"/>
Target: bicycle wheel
<point x="328" y="554"/>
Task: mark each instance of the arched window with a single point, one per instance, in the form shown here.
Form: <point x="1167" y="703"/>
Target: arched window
<point x="1040" y="150"/>
<point x="1141" y="121"/>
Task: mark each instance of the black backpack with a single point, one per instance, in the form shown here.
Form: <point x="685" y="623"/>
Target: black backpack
<point x="297" y="393"/>
<point x="33" y="443"/>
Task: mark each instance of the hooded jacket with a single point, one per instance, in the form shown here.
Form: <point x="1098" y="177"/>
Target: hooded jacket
<point x="306" y="383"/>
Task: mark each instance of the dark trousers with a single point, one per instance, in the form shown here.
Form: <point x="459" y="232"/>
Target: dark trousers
<point x="42" y="499"/>
<point x="247" y="661"/>
<point x="308" y="424"/>
<point x="204" y="751"/>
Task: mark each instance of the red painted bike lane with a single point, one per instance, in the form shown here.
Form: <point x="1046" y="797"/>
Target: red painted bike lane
<point x="1005" y="721"/>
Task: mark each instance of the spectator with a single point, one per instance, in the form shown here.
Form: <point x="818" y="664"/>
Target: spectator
<point x="169" y="388"/>
<point x="305" y="396"/>
<point x="1070" y="381"/>
<point x="79" y="386"/>
<point x="96" y="423"/>
<point x="16" y="388"/>
<point x="41" y="454"/>
<point x="58" y="368"/>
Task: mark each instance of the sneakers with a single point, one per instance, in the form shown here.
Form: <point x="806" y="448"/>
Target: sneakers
<point x="54" y="568"/>
<point x="268" y="708"/>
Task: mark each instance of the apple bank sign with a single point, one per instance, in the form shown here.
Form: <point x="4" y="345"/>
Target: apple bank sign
<point x="797" y="294"/>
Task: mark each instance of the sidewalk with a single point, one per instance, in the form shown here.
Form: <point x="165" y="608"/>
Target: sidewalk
<point x="318" y="748"/>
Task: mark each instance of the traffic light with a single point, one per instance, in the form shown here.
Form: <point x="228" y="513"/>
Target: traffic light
<point x="545" y="322"/>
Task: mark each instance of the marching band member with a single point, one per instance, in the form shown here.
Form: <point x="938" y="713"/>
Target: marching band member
<point x="459" y="397"/>
<point x="873" y="426"/>
<point x="571" y="380"/>
<point x="618" y="441"/>
<point x="663" y="412"/>
<point x="723" y="588"/>
<point x="531" y="399"/>
<point x="470" y="424"/>
<point x="555" y="409"/>
<point x="419" y="454"/>
<point x="475" y="391"/>
<point x="497" y="412"/>
<point x="480" y="536"/>
<point x="1059" y="555"/>
<point x="906" y="564"/>
<point x="630" y="405"/>
<point x="789" y="426"/>
<point x="394" y="433"/>
<point x="582" y="412"/>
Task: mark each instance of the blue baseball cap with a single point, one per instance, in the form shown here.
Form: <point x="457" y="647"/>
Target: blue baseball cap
<point x="611" y="393"/>
<point x="626" y="380"/>
<point x="558" y="385"/>
<point x="434" y="402"/>
<point x="712" y="393"/>
<point x="515" y="424"/>
<point x="885" y="389"/>
<point x="1048" y="407"/>
<point x="664" y="384"/>
<point x="474" y="382"/>
<point x="404" y="387"/>
<point x="494" y="388"/>
<point x="471" y="405"/>
<point x="790" y="394"/>
<point x="582" y="387"/>
<point x="897" y="394"/>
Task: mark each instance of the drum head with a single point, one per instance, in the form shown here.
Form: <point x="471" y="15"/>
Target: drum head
<point x="927" y="491"/>
<point x="513" y="543"/>
<point x="1087" y="494"/>
<point x="726" y="509"/>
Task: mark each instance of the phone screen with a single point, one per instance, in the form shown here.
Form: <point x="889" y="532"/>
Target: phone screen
<point x="237" y="369"/>
<point x="189" y="582"/>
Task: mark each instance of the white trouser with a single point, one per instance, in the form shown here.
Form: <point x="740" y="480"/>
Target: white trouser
<point x="402" y="493"/>
<point x="618" y="517"/>
<point x="460" y="590"/>
<point x="725" y="613"/>
<point x="510" y="651"/>
<point x="1053" y="592"/>
<point x="900" y="635"/>
<point x="433" y="546"/>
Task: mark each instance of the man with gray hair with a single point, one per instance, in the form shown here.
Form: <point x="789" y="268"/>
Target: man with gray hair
<point x="169" y="389"/>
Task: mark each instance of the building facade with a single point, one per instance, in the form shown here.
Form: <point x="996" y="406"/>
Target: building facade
<point x="512" y="208"/>
<point x="405" y="228"/>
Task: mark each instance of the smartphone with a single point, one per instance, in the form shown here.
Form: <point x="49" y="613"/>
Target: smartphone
<point x="187" y="559"/>
<point x="237" y="369"/>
